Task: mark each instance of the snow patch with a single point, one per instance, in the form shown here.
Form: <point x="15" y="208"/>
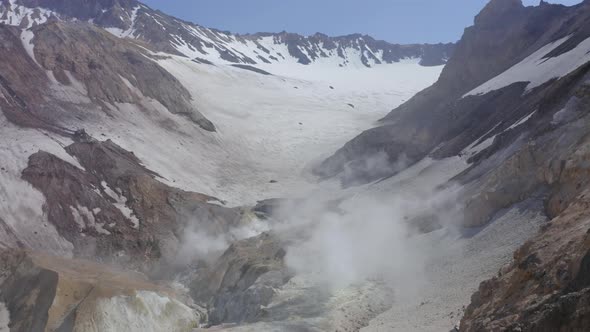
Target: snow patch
<point x="521" y="121"/>
<point x="121" y="204"/>
<point x="27" y="38"/>
<point x="130" y="31"/>
<point x="86" y="218"/>
<point x="537" y="70"/>
<point x="478" y="145"/>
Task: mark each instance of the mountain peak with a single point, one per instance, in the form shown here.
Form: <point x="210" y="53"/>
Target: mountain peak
<point x="82" y="10"/>
<point x="496" y="9"/>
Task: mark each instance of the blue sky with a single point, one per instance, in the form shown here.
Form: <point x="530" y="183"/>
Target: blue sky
<point x="400" y="21"/>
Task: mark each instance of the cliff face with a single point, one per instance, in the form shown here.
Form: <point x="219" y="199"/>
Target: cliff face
<point x="545" y="287"/>
<point x="505" y="33"/>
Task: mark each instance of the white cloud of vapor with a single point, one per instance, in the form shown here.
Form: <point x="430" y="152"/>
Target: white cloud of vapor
<point x="370" y="236"/>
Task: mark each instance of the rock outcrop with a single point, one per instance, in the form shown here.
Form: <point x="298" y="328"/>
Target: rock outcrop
<point x="546" y="287"/>
<point x="114" y="209"/>
<point x="45" y="293"/>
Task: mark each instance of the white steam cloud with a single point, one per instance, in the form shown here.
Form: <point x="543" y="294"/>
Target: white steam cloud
<point x="197" y="244"/>
<point x="371" y="236"/>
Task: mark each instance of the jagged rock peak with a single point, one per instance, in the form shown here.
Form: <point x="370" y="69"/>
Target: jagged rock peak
<point x="80" y="9"/>
<point x="496" y="9"/>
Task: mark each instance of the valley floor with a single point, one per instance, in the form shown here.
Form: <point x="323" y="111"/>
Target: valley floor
<point x="271" y="127"/>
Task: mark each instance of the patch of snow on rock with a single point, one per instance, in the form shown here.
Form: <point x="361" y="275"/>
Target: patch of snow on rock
<point x="121" y="204"/>
<point x="537" y="70"/>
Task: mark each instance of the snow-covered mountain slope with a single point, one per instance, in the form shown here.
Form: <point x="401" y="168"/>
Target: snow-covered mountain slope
<point x="67" y="73"/>
<point x="132" y="19"/>
<point x="269" y="127"/>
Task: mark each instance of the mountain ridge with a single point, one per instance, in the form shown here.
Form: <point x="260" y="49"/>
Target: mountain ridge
<point x="133" y="19"/>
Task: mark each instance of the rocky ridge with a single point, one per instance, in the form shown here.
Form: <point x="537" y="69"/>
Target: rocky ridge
<point x="161" y="32"/>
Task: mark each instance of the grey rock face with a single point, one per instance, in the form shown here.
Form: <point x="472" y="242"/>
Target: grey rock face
<point x="439" y="117"/>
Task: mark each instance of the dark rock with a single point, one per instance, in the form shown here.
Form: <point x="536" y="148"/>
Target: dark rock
<point x="203" y="61"/>
<point x="252" y="68"/>
<point x="267" y="207"/>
